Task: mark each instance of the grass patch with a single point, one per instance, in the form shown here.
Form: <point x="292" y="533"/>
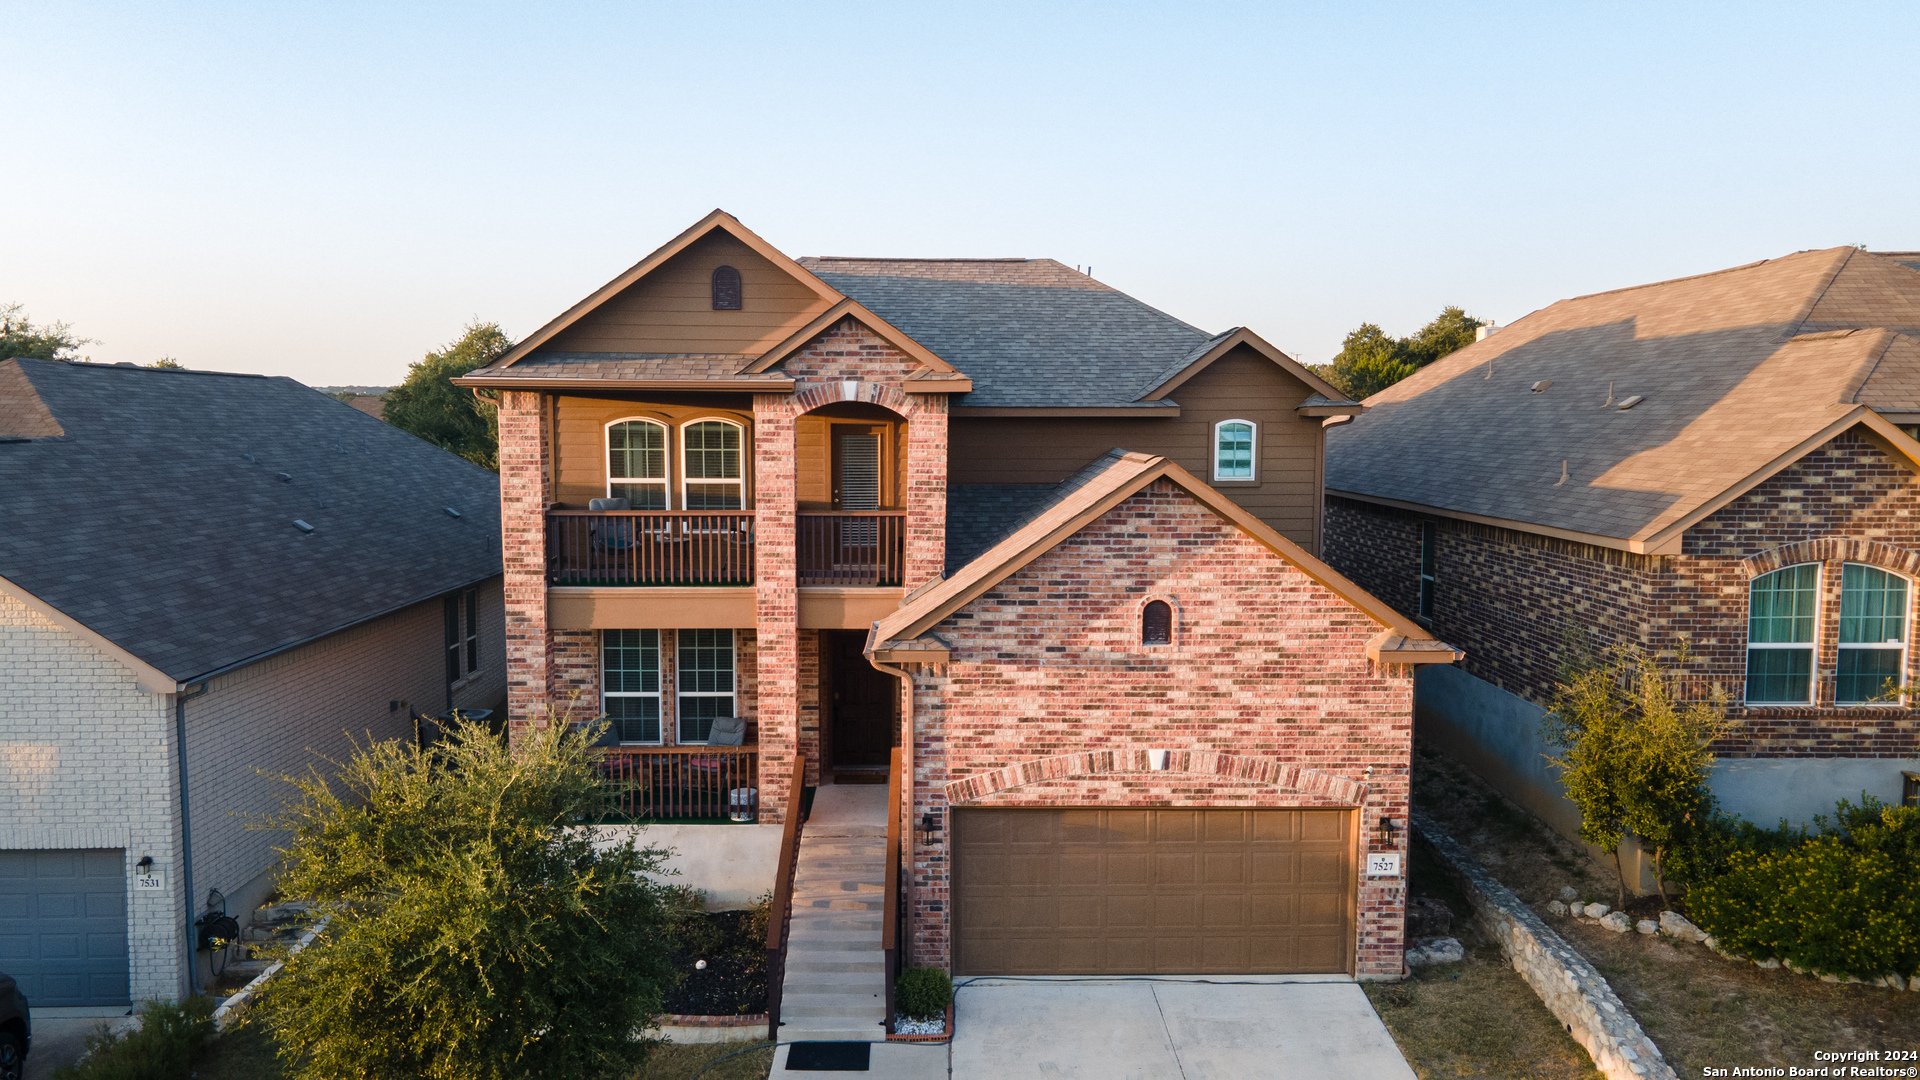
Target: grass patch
<point x="247" y="1053"/>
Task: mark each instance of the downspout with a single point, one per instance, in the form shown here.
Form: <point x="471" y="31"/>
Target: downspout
<point x="186" y="820"/>
<point x="906" y="789"/>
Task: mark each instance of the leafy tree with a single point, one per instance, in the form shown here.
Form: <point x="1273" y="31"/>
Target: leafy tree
<point x="1634" y="755"/>
<point x="168" y="363"/>
<point x="473" y="930"/>
<point x="19" y="337"/>
<point x="1370" y="360"/>
<point x="448" y="416"/>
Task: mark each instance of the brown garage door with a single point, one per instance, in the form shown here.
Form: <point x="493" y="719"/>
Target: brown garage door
<point x="1077" y="892"/>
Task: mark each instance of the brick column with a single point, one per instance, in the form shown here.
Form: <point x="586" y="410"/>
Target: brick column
<point x="523" y="550"/>
<point x="926" y="490"/>
<point x="777" y="614"/>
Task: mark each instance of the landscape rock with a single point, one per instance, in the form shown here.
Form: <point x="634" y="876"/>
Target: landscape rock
<point x="1647" y="927"/>
<point x="1617" y="922"/>
<point x="1768" y="963"/>
<point x="1674" y="924"/>
<point x="1437" y="951"/>
<point x="1428" y="918"/>
<point x="1568" y="892"/>
<point x="1597" y="911"/>
<point x="1555" y="907"/>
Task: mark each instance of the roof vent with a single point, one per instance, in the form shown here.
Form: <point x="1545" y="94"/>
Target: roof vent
<point x="1630" y="402"/>
<point x="302" y="526"/>
<point x="451" y="512"/>
<point x="285" y="477"/>
<point x="1542" y="385"/>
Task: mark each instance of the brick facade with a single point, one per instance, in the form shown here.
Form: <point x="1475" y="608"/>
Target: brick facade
<point x="1267" y="674"/>
<point x="1510" y="599"/>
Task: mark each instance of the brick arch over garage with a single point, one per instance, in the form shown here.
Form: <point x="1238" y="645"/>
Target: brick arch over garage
<point x="1836" y="549"/>
<point x="820" y="395"/>
<point x="1253" y="770"/>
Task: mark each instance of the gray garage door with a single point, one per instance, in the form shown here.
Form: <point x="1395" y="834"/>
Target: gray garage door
<point x="63" y="926"/>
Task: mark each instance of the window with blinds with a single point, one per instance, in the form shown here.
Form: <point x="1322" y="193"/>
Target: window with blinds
<point x="630" y="683"/>
<point x="859" y="485"/>
<point x="710" y="472"/>
<point x="637" y="464"/>
<point x="704" y="679"/>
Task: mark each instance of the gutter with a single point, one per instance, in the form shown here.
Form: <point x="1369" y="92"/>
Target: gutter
<point x="180" y="700"/>
<point x="906" y="777"/>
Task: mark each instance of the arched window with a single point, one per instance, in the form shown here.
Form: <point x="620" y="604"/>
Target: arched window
<point x="1873" y="634"/>
<point x="726" y="289"/>
<point x="710" y="474"/>
<point x="1782" y="610"/>
<point x="637" y="463"/>
<point x="1233" y="450"/>
<point x="1156" y="623"/>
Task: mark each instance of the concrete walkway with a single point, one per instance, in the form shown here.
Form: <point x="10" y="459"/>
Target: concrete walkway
<point x="1278" y="1028"/>
<point x="835" y="986"/>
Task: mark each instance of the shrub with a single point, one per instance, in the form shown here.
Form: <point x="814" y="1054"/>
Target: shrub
<point x="923" y="993"/>
<point x="171" y="1038"/>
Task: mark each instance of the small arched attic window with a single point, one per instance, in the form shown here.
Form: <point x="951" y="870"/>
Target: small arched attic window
<point x="1156" y="623"/>
<point x="726" y="289"/>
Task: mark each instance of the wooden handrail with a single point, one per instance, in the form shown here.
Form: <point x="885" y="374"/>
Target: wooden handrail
<point x="649" y="513"/>
<point x="649" y="749"/>
<point x="789" y="849"/>
<point x="889" y="925"/>
<point x="850" y="513"/>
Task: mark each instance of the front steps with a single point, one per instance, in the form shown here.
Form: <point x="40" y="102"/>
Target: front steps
<point x="835" y="986"/>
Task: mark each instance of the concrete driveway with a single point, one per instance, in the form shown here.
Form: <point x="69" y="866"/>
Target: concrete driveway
<point x="1274" y="1028"/>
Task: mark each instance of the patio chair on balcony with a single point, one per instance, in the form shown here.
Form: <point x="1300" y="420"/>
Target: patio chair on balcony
<point x="612" y="534"/>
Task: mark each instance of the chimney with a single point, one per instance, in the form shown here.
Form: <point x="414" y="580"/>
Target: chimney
<point x="1485" y="331"/>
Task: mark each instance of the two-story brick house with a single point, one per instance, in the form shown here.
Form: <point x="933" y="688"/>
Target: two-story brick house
<point x="871" y="504"/>
<point x="1724" y="461"/>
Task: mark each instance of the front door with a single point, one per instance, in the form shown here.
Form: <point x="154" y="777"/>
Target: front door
<point x="863" y="705"/>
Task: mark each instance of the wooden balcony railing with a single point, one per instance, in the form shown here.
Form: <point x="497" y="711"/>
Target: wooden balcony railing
<point x="687" y="782"/>
<point x="649" y="547"/>
<point x="853" y="548"/>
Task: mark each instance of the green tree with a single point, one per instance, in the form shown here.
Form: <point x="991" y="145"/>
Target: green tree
<point x="1370" y="360"/>
<point x="427" y="404"/>
<point x="168" y="363"/>
<point x="1634" y="754"/>
<point x="19" y="337"/>
<point x="473" y="930"/>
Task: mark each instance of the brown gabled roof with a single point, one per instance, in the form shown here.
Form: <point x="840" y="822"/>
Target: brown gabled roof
<point x="1222" y="344"/>
<point x="1082" y="499"/>
<point x="1737" y="373"/>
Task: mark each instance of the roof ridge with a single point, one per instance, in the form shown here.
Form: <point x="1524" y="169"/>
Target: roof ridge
<point x="1693" y="277"/>
<point x="802" y="260"/>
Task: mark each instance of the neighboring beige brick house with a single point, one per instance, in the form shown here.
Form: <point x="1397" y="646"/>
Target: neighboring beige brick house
<point x="153" y="581"/>
<point x="798" y="492"/>
<point x="1721" y="467"/>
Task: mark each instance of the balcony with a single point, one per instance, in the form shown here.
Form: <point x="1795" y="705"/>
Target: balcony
<point x="852" y="549"/>
<point x="649" y="547"/>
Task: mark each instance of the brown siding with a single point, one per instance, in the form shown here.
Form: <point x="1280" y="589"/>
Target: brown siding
<point x="1241" y="385"/>
<point x="671" y="309"/>
<point x="580" y="449"/>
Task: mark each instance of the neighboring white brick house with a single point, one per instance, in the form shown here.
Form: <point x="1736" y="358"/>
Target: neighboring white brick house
<point x="275" y="648"/>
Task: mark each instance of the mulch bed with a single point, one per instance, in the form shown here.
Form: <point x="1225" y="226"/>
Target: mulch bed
<point x="734" y="981"/>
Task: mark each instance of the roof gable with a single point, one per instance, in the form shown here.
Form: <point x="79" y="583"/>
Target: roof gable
<point x="676" y="309"/>
<point x="1220" y="345"/>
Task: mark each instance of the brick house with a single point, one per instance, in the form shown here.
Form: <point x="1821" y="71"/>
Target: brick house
<point x="872" y="505"/>
<point x="204" y="575"/>
<point x="1724" y="462"/>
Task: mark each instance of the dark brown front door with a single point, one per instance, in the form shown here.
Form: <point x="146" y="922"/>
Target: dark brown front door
<point x="862" y="704"/>
<point x="1139" y="892"/>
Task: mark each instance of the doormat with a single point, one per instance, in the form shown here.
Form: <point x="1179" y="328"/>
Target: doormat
<point x="828" y="1056"/>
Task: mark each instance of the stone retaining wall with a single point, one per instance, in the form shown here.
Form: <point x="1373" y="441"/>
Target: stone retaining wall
<point x="1572" y="990"/>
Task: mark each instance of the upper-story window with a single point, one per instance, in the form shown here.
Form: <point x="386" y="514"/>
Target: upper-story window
<point x="1873" y="634"/>
<point x="1233" y="450"/>
<point x="637" y="463"/>
<point x="1156" y="623"/>
<point x="726" y="289"/>
<point x="710" y="467"/>
<point x="1782" y="611"/>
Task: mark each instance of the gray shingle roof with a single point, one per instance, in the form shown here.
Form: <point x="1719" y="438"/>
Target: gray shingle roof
<point x="1029" y="332"/>
<point x="1734" y="369"/>
<point x="981" y="515"/>
<point x="160" y="520"/>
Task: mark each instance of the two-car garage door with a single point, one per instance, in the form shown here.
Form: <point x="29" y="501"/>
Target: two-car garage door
<point x="1093" y="891"/>
<point x="63" y="926"/>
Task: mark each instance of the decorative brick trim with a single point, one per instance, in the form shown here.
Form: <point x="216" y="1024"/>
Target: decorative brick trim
<point x="1835" y="549"/>
<point x="1280" y="774"/>
<point x="818" y="395"/>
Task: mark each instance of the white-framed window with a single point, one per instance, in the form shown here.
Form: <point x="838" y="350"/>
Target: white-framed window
<point x="1873" y="634"/>
<point x="1783" y="610"/>
<point x="461" y="613"/>
<point x="1429" y="567"/>
<point x="704" y="682"/>
<point x="637" y="463"/>
<point x="710" y="470"/>
<point x="1233" y="450"/>
<point x="630" y="683"/>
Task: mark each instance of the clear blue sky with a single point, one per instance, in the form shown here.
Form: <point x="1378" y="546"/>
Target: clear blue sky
<point x="328" y="191"/>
